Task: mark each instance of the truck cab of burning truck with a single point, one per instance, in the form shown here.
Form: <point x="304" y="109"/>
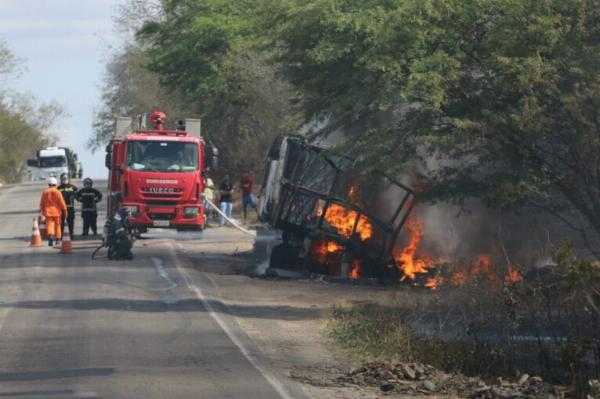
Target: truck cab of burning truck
<point x="157" y="176"/>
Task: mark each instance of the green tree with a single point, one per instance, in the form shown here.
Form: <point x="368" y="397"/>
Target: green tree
<point x="25" y="126"/>
<point x="207" y="51"/>
<point x="130" y="89"/>
<point x="496" y="99"/>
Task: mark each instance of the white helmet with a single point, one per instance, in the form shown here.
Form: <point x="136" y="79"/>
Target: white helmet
<point x="52" y="181"/>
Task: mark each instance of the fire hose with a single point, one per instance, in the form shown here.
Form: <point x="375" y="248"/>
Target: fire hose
<point x="212" y="205"/>
<point x="230" y="220"/>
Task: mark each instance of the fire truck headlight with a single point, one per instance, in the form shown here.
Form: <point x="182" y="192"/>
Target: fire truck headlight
<point x="191" y="211"/>
<point x="132" y="209"/>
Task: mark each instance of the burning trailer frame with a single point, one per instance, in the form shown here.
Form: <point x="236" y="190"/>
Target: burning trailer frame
<point x="334" y="220"/>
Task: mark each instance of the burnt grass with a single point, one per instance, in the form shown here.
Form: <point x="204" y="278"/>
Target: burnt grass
<point x="545" y="325"/>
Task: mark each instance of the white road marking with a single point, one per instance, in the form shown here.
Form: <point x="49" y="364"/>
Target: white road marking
<point x="206" y="301"/>
<point x="168" y="296"/>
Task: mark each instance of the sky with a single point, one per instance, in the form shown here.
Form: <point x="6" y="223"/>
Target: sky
<point x="64" y="45"/>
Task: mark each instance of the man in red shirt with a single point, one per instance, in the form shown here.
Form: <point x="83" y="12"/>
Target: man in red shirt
<point x="248" y="198"/>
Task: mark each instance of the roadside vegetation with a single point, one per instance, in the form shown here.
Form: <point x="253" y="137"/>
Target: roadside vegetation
<point x="24" y="124"/>
<point x="545" y="325"/>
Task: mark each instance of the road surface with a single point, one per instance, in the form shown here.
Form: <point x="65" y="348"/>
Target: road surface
<point x="73" y="327"/>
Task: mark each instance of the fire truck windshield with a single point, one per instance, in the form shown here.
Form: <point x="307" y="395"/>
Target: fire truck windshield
<point x="52" y="162"/>
<point x="162" y="156"/>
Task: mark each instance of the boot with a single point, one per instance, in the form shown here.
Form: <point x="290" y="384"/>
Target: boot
<point x="51" y="241"/>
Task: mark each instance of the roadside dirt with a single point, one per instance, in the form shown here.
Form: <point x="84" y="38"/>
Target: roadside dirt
<point x="286" y="317"/>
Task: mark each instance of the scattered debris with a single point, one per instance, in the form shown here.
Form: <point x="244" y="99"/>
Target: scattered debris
<point x="418" y="379"/>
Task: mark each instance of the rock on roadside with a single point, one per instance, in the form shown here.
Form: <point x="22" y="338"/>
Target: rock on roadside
<point x="417" y="379"/>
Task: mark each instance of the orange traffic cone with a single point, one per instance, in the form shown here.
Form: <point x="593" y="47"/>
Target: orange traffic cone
<point x="36" y="238"/>
<point x="66" y="247"/>
<point x="43" y="228"/>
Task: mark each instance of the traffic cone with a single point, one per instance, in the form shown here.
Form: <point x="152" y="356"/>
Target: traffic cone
<point x="66" y="247"/>
<point x="43" y="228"/>
<point x="36" y="238"/>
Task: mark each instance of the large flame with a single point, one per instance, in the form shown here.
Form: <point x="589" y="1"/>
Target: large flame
<point x="412" y="262"/>
<point x="343" y="219"/>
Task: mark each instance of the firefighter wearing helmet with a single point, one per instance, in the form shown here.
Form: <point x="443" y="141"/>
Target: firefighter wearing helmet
<point x="89" y="197"/>
<point x="53" y="207"/>
<point x="68" y="192"/>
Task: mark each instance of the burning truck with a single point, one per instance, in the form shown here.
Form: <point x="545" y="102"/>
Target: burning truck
<point x="334" y="220"/>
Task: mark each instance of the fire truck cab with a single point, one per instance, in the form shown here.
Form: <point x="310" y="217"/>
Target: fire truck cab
<point x="156" y="174"/>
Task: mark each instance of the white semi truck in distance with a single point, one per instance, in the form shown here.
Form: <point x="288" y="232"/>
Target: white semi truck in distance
<point x="53" y="162"/>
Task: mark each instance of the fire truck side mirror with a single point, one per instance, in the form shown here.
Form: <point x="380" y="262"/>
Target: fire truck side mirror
<point x="32" y="162"/>
<point x="108" y="157"/>
<point x="211" y="157"/>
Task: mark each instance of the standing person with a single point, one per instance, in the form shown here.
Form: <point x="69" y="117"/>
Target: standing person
<point x="225" y="198"/>
<point x="68" y="192"/>
<point x="248" y="198"/>
<point x="53" y="207"/>
<point x="209" y="194"/>
<point x="89" y="197"/>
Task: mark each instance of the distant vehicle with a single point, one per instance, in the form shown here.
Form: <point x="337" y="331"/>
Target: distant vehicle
<point x="53" y="162"/>
<point x="156" y="174"/>
<point x="50" y="162"/>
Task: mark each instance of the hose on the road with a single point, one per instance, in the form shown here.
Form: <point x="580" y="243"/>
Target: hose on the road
<point x="96" y="251"/>
<point x="212" y="205"/>
<point x="233" y="222"/>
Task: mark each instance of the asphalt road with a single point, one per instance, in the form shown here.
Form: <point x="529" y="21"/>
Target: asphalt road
<point x="73" y="327"/>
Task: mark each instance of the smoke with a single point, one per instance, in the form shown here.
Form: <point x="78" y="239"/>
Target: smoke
<point x="526" y="237"/>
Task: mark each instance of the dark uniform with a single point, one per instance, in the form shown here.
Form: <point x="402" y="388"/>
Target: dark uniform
<point x="68" y="192"/>
<point x="89" y="196"/>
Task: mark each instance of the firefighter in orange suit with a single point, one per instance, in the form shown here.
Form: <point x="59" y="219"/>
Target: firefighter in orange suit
<point x="53" y="207"/>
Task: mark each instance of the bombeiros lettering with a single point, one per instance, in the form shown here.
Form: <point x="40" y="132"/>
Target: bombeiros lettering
<point x="159" y="181"/>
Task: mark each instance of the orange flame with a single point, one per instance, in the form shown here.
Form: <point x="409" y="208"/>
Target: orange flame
<point x="407" y="260"/>
<point x="512" y="276"/>
<point x="355" y="272"/>
<point x="321" y="250"/>
<point x="432" y="282"/>
<point x="343" y="220"/>
<point x="413" y="264"/>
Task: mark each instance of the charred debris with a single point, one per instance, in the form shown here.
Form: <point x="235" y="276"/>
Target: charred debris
<point x="334" y="221"/>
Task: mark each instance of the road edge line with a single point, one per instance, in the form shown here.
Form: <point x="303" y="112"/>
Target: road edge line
<point x="253" y="359"/>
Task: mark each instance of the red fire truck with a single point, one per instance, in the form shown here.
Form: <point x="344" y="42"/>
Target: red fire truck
<point x="156" y="174"/>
